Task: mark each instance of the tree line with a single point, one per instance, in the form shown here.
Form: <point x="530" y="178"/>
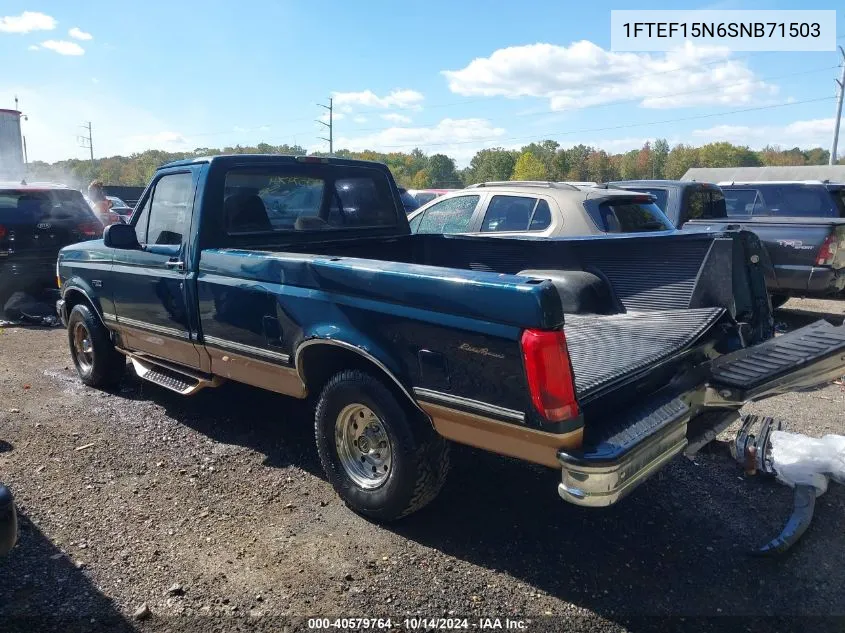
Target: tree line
<point x="545" y="160"/>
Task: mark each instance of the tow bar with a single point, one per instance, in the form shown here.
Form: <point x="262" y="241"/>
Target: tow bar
<point x="804" y="463"/>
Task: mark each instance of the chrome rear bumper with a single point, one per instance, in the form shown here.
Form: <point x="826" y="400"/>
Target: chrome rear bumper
<point x="594" y="483"/>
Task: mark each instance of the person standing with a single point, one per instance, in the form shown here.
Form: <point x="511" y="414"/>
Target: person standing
<point x="102" y="205"/>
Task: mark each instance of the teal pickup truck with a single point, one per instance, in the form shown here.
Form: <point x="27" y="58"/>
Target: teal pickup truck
<point x="602" y="357"/>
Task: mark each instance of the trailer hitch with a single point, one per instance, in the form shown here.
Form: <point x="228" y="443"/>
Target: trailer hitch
<point x="752" y="449"/>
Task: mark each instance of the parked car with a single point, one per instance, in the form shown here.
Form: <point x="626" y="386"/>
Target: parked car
<point x="589" y="355"/>
<point x="409" y="202"/>
<point x="801" y="224"/>
<point x="539" y="209"/>
<point x="36" y="220"/>
<point x="119" y="207"/>
<point x="424" y="196"/>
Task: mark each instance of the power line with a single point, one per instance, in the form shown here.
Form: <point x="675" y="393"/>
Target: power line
<point x="87" y="142"/>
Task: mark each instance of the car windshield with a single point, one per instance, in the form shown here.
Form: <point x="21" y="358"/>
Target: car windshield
<point x="627" y="215"/>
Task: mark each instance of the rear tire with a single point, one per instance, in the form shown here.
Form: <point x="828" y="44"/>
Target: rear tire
<point x="97" y="362"/>
<point x="380" y="455"/>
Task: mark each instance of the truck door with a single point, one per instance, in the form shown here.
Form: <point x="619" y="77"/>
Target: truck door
<point x="150" y="284"/>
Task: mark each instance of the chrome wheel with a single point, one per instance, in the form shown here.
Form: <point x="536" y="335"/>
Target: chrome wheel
<point x="82" y="348"/>
<point x="363" y="446"/>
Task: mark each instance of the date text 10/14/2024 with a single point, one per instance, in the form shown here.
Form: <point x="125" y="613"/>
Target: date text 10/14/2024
<point x="417" y="624"/>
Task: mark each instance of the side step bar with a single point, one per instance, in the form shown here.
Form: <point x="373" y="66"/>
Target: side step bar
<point x="802" y="359"/>
<point x="178" y="380"/>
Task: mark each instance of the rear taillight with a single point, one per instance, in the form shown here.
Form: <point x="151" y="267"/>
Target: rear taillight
<point x="90" y="229"/>
<point x="827" y="253"/>
<point x="2" y="232"/>
<point x="549" y="374"/>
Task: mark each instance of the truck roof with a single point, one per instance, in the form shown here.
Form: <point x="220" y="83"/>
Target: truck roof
<point x="269" y="158"/>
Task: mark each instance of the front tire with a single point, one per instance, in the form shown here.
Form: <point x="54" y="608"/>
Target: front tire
<point x="97" y="362"/>
<point x="380" y="455"/>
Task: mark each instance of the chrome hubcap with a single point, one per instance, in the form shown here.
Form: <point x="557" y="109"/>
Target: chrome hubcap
<point x="363" y="446"/>
<point x="82" y="347"/>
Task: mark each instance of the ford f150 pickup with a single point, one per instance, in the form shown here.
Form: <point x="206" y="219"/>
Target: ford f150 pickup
<point x="590" y="355"/>
<point x="801" y="225"/>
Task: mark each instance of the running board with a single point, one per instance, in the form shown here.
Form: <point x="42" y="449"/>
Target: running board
<point x="180" y="381"/>
<point x="805" y="358"/>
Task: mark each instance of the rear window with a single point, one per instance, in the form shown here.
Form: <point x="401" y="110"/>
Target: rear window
<point x="627" y="216"/>
<point x="704" y="203"/>
<point x="788" y="200"/>
<point x="39" y="205"/>
<point x="285" y="198"/>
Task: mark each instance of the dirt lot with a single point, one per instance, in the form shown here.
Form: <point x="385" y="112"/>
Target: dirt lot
<point x="216" y="506"/>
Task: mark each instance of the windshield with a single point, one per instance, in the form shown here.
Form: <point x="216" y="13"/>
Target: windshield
<point x="627" y="215"/>
<point x="424" y="197"/>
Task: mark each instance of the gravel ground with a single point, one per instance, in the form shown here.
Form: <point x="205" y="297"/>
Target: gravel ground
<point x="213" y="512"/>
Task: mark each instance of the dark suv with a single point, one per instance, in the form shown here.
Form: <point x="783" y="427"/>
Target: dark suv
<point x="37" y="220"/>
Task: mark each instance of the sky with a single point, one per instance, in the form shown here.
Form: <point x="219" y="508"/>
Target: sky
<point x="447" y="77"/>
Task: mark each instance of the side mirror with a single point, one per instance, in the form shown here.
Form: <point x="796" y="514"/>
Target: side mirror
<point x="121" y="236"/>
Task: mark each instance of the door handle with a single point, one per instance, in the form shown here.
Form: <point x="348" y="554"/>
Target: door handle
<point x="178" y="264"/>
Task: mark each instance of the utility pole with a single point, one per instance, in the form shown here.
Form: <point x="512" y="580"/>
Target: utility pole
<point x="87" y="141"/>
<point x="328" y="125"/>
<point x="841" y="83"/>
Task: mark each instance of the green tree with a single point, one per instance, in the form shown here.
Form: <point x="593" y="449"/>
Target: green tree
<point x="529" y="167"/>
<point x="577" y="160"/>
<point x="598" y="166"/>
<point x="724" y="154"/>
<point x="659" y="154"/>
<point x="442" y="172"/>
<point x="680" y="159"/>
<point x="492" y="164"/>
<point x="421" y="180"/>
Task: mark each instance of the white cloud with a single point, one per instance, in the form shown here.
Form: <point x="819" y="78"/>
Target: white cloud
<point x="400" y="98"/>
<point x="458" y="138"/>
<point x="27" y="22"/>
<point x="336" y="116"/>
<point x="361" y="119"/>
<point x="584" y="74"/>
<point x="63" y="47"/>
<point x="33" y="47"/>
<point x="395" y="117"/>
<point x="808" y="133"/>
<point x="79" y="34"/>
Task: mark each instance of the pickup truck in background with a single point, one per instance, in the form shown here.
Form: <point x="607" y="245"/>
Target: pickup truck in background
<point x="801" y="225"/>
<point x="601" y="356"/>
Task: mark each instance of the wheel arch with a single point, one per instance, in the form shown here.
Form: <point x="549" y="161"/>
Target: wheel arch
<point x="318" y="359"/>
<point x="74" y="295"/>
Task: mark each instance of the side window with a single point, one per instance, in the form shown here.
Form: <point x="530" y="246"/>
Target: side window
<point x="542" y="217"/>
<point x="170" y="209"/>
<point x="143" y="216"/>
<point x="449" y="216"/>
<point x="509" y="213"/>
